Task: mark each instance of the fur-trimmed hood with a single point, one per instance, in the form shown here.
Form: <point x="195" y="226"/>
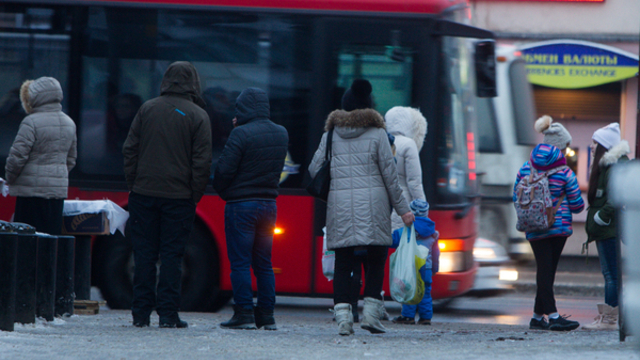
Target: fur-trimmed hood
<point x="42" y="91"/>
<point x="355" y="119"/>
<point x="615" y="153"/>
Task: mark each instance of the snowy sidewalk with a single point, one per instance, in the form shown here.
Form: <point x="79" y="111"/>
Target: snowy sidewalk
<point x="304" y="333"/>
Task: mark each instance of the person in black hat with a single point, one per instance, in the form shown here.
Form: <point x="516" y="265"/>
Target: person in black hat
<point x="358" y="96"/>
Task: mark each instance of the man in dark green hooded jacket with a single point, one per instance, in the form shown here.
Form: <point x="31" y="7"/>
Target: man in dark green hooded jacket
<point x="167" y="163"/>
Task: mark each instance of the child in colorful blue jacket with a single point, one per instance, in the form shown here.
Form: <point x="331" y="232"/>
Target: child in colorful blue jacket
<point x="426" y="235"/>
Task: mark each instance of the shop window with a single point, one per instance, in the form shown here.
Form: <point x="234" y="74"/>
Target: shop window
<point x="600" y="103"/>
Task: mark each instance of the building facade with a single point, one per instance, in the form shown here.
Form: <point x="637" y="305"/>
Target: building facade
<point x="580" y="59"/>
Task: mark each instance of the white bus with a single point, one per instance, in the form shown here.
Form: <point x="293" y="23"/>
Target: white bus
<point x="505" y="140"/>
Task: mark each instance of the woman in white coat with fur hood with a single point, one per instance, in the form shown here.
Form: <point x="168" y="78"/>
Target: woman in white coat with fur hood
<point x="409" y="128"/>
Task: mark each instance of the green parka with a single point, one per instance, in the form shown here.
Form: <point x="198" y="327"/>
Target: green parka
<point x="601" y="217"/>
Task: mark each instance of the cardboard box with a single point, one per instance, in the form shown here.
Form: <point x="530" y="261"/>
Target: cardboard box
<point x="86" y="224"/>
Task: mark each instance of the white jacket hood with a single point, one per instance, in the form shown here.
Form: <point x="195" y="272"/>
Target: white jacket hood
<point x="407" y="121"/>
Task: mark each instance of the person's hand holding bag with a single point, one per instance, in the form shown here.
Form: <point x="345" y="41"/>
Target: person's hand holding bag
<point x="408" y="218"/>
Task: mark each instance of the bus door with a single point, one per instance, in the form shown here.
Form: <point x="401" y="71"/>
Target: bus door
<point x="384" y="52"/>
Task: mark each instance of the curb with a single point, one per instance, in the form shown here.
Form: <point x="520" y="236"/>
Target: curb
<point x="562" y="289"/>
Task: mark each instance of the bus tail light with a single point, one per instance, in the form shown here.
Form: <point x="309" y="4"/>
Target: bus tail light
<point x="278" y="231"/>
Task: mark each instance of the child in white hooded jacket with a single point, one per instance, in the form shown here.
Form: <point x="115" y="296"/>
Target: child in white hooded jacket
<point x="409" y="128"/>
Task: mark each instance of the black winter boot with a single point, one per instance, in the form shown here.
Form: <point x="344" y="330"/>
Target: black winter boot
<point x="178" y="324"/>
<point x="264" y="318"/>
<point x="242" y="319"/>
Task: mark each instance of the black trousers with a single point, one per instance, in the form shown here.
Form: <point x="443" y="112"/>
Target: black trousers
<point x="346" y="261"/>
<point x="44" y="214"/>
<point x="159" y="229"/>
<point x="547" y="252"/>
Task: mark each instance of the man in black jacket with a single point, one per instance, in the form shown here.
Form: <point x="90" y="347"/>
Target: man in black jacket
<point x="247" y="177"/>
<point x="167" y="162"/>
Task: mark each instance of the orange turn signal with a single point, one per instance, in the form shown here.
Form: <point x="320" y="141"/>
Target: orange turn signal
<point x="451" y="245"/>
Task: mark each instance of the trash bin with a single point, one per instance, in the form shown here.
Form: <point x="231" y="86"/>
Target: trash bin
<point x="46" y="276"/>
<point x="8" y="254"/>
<point x="64" y="276"/>
<point x="26" y="273"/>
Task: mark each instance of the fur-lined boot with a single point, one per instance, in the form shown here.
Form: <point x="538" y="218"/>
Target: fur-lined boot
<point x="344" y="318"/>
<point x="607" y="319"/>
<point x="372" y="313"/>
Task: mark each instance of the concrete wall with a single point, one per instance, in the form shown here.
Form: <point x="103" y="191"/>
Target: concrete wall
<point x="611" y="17"/>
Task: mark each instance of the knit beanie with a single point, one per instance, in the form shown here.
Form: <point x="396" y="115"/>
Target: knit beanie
<point x="419" y="207"/>
<point x="608" y="136"/>
<point x="554" y="133"/>
<point x="358" y="96"/>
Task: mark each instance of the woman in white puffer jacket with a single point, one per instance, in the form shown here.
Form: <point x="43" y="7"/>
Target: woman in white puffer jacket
<point x="41" y="157"/>
<point x="409" y="128"/>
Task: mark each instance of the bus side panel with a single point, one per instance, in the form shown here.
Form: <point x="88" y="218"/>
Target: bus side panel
<point x="292" y="249"/>
<point x="446" y="285"/>
<point x="452" y="228"/>
<point x="7" y="205"/>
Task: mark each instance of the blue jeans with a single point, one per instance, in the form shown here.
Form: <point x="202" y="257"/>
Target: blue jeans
<point x="425" y="307"/>
<point x="249" y="229"/>
<point x="609" y="265"/>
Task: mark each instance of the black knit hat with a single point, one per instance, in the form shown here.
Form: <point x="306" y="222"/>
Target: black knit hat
<point x="358" y="96"/>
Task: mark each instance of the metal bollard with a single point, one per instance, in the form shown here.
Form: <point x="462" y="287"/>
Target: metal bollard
<point x="46" y="276"/>
<point x="82" y="279"/>
<point x="8" y="254"/>
<point x="64" y="276"/>
<point x="625" y="194"/>
<point x="26" y="278"/>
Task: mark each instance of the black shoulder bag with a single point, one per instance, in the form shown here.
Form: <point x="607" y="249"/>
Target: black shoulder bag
<point x="320" y="184"/>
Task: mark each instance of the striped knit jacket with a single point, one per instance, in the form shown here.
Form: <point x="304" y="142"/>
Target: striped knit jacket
<point x="546" y="157"/>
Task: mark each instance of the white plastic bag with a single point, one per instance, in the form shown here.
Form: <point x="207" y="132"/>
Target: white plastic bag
<point x="4" y="188"/>
<point x="328" y="258"/>
<point x="403" y="273"/>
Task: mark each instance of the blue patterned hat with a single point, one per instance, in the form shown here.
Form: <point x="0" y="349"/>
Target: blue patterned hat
<point x="419" y="207"/>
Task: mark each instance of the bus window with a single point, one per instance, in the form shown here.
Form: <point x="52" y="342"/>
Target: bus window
<point x="455" y="179"/>
<point x="378" y="65"/>
<point x="33" y="43"/>
<point x="231" y="53"/>
<point x="488" y="135"/>
<point x="524" y="111"/>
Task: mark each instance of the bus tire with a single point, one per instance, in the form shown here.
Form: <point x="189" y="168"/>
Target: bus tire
<point x="201" y="274"/>
<point x="114" y="266"/>
<point x="113" y="270"/>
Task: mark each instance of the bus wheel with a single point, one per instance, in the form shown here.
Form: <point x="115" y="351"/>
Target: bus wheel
<point x="113" y="272"/>
<point x="201" y="274"/>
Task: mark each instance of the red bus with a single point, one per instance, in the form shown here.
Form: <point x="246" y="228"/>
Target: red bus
<point x="110" y="56"/>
